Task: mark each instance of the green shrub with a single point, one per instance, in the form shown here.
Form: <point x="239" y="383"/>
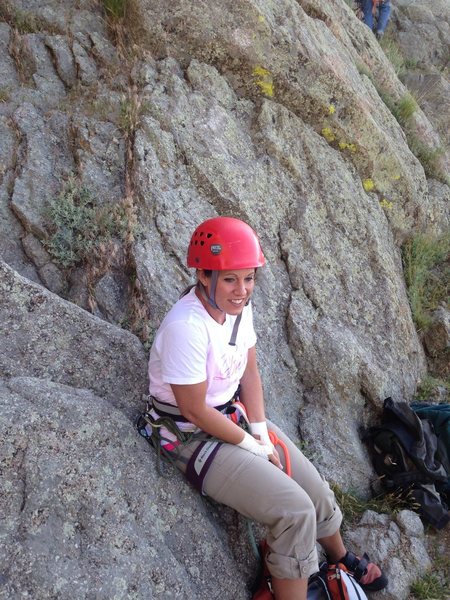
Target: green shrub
<point x="427" y="156"/>
<point x="128" y="115"/>
<point x="115" y="9"/>
<point x="405" y="108"/>
<point x="364" y="70"/>
<point x="403" y="111"/>
<point x="431" y="587"/>
<point x="78" y="226"/>
<point x="394" y="54"/>
<point x="26" y="21"/>
<point x="131" y="110"/>
<point x="428" y="385"/>
<point x="411" y="63"/>
<point x="352" y="506"/>
<point x="435" y="584"/>
<point x="426" y="268"/>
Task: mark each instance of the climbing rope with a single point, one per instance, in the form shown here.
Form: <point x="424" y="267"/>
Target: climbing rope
<point x="277" y="442"/>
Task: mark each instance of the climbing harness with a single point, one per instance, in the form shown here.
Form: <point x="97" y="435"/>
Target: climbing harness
<point x="168" y="417"/>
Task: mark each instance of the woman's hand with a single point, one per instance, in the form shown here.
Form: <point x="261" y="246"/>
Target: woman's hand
<point x="256" y="447"/>
<point x="275" y="459"/>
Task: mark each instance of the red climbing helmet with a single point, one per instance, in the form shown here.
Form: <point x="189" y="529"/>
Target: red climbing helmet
<point x="224" y="243"/>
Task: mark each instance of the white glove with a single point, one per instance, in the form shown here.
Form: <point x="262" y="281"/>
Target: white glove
<point x="249" y="443"/>
<point x="261" y="430"/>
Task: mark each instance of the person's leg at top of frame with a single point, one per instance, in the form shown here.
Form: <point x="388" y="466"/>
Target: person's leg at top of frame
<point x="384" y="12"/>
<point x="367" y="8"/>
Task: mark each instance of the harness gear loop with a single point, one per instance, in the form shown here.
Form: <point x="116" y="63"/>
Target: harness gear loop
<point x="150" y="429"/>
<point x="238" y="413"/>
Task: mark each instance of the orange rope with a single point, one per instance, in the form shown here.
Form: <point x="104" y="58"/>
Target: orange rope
<point x="277" y="442"/>
<point x="272" y="436"/>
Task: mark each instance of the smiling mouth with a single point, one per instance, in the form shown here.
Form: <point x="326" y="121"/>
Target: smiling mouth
<point x="237" y="302"/>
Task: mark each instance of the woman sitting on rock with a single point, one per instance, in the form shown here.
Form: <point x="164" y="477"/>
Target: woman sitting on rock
<point x="202" y="360"/>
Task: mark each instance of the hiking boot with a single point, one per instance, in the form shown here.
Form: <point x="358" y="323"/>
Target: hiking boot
<point x="367" y="574"/>
<point x="378" y="35"/>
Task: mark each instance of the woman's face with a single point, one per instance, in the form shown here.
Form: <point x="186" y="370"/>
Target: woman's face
<point x="233" y="289"/>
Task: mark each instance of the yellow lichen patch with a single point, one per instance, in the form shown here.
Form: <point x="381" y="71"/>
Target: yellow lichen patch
<point x="266" y="87"/>
<point x="387" y="204"/>
<point x="328" y="134"/>
<point x="396" y="177"/>
<point x="261" y="18"/>
<point x="264" y="80"/>
<point x="347" y="146"/>
<point x="331" y="109"/>
<point x="261" y="72"/>
<point x="368" y="185"/>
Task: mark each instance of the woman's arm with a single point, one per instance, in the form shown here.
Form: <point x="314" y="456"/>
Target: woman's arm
<point x="192" y="405"/>
<point x="252" y="397"/>
<point x="251" y="392"/>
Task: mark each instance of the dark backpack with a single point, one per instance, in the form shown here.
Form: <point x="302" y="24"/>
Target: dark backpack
<point x="439" y="416"/>
<point x="407" y="457"/>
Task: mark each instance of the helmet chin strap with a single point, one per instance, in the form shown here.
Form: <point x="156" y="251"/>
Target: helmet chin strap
<point x="212" y="302"/>
<point x="211" y="299"/>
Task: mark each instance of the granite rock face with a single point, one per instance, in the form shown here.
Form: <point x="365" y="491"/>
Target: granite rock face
<point x="281" y="114"/>
<point x="49" y="338"/>
<point x="87" y="514"/>
<point x="399" y="544"/>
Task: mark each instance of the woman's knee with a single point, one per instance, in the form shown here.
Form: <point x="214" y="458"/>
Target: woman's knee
<point x="294" y="518"/>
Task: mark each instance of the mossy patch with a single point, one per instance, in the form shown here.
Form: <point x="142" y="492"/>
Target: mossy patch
<point x="427" y="275"/>
<point x="79" y="227"/>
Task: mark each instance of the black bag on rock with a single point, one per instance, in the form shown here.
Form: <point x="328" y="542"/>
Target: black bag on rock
<point x="407" y="457"/>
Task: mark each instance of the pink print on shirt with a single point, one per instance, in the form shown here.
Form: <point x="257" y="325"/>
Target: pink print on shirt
<point x="231" y="364"/>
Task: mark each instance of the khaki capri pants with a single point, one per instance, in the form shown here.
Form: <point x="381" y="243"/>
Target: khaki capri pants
<point x="297" y="510"/>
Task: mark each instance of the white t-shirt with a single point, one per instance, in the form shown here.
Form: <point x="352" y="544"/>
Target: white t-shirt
<point x="191" y="347"/>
